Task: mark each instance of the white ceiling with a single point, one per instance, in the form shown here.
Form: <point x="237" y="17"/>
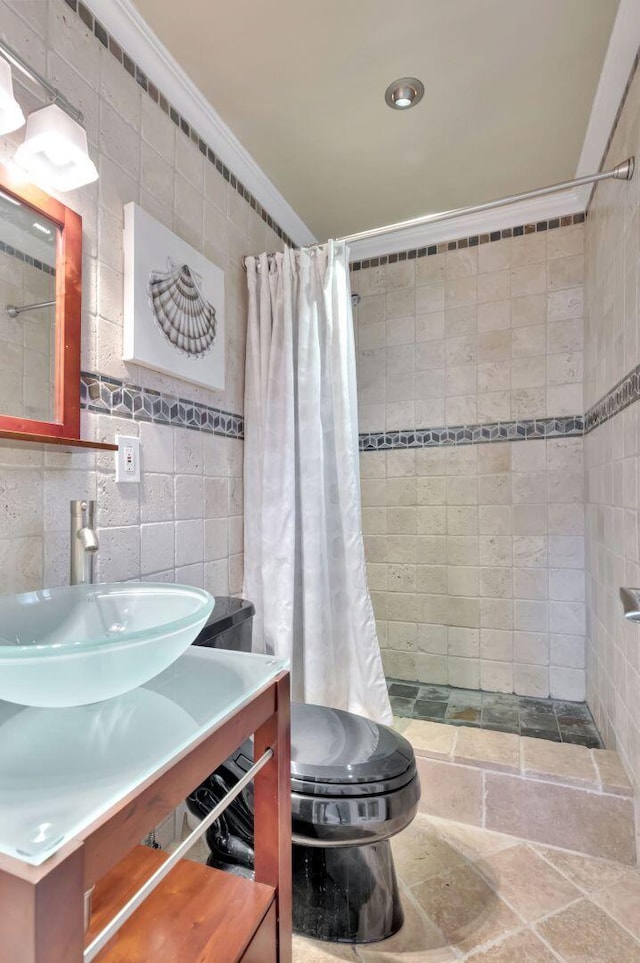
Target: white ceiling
<point x="509" y="88"/>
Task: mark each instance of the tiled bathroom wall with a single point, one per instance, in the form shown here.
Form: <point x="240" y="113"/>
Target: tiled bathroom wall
<point x="28" y="341"/>
<point x="479" y="334"/>
<point x="612" y="450"/>
<point x="184" y="520"/>
<point x="475" y="552"/>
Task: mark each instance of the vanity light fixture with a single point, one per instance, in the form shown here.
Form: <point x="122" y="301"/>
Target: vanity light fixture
<point x="404" y="93"/>
<point x="54" y="152"/>
<point x="11" y="116"/>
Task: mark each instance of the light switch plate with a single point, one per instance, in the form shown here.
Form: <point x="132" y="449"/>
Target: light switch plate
<point x="127" y="459"/>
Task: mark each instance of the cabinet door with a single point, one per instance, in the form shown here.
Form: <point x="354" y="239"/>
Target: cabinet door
<point x="262" y="948"/>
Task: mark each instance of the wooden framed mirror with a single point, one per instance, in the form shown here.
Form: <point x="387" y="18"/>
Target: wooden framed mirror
<point x="40" y="314"/>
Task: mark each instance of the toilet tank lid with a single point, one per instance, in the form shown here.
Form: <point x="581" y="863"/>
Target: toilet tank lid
<point x="333" y="746"/>
<point x="227" y="612"/>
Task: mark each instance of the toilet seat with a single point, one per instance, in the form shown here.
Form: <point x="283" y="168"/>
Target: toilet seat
<point x="336" y="753"/>
<point x="353" y="781"/>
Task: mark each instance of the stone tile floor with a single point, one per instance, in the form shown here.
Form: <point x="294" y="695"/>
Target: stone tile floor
<point x="540" y="718"/>
<point x="474" y="895"/>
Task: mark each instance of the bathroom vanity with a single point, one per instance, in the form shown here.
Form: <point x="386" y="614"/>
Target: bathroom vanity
<point x="80" y="787"/>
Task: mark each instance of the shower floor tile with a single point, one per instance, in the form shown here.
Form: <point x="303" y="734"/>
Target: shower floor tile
<point x="553" y="719"/>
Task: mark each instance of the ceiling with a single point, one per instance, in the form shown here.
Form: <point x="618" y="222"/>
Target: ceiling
<point x="509" y="87"/>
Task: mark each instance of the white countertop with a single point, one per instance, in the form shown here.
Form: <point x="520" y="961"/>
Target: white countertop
<point x="60" y="769"/>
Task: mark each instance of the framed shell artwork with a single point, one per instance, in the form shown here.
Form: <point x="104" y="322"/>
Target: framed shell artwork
<point x="173" y="303"/>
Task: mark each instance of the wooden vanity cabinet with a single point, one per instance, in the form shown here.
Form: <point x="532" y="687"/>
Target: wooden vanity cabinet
<point x="196" y="914"/>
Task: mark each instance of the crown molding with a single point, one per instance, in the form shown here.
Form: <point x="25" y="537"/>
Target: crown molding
<point x="123" y="21"/>
<point x="624" y="43"/>
<point x="616" y="69"/>
<point x="469" y="225"/>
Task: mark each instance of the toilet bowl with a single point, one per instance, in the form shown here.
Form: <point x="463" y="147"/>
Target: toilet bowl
<point x="354" y="785"/>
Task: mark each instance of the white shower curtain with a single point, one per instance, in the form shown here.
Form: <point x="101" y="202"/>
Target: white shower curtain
<point x="304" y="555"/>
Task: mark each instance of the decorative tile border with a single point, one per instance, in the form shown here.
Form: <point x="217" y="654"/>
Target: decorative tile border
<point x="109" y="396"/>
<point x="111" y="44"/>
<point x="473" y="241"/>
<point x="623" y="394"/>
<point x="474" y="434"/>
<point x="21" y="256"/>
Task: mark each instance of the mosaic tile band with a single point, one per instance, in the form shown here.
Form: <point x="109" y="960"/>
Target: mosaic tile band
<point x="123" y="58"/>
<point x="474" y="434"/>
<point x="109" y="396"/>
<point x="623" y="394"/>
<point x="463" y="242"/>
<point x="626" y="392"/>
<point x="26" y="258"/>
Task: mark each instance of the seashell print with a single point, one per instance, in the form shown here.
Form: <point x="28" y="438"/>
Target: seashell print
<point x="181" y="311"/>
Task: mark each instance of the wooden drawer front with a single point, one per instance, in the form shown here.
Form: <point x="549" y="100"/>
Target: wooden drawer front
<point x="262" y="948"/>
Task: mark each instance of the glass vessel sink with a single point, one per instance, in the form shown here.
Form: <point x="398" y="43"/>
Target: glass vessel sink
<point x="80" y="644"/>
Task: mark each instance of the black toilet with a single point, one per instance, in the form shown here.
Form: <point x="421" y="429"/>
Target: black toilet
<point x="353" y="785"/>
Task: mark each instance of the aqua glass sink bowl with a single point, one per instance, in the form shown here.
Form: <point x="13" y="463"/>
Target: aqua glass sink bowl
<point x="80" y="644"/>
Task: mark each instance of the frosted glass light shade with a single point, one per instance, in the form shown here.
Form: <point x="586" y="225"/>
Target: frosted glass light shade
<point x="11" y="116"/>
<point x="54" y="151"/>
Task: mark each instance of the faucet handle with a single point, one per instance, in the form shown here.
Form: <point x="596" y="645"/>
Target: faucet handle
<point x="78" y="506"/>
<point x="84" y="541"/>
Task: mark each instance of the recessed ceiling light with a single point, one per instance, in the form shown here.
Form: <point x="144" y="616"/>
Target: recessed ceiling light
<point x="41" y="228"/>
<point x="404" y="93"/>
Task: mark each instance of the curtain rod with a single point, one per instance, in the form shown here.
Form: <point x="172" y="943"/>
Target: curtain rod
<point x="621" y="172"/>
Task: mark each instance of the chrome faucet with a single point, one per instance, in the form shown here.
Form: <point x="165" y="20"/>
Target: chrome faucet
<point x="84" y="542"/>
<point x="630" y="598"/>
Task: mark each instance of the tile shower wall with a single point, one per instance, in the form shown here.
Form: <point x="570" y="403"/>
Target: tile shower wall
<point x="475" y="552"/>
<point x="184" y="521"/>
<point x="612" y="450"/>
